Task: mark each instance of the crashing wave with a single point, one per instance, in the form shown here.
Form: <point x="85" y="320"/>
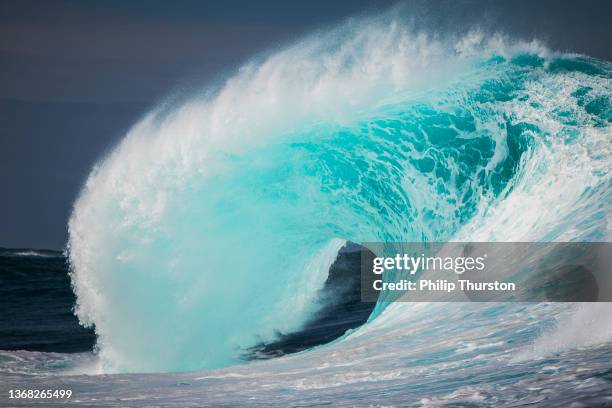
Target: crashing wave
<point x="212" y="225"/>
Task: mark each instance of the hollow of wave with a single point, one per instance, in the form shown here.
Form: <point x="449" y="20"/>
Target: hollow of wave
<point x="211" y="227"/>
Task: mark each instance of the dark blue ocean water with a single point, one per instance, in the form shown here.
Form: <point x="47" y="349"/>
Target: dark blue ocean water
<point x="36" y="302"/>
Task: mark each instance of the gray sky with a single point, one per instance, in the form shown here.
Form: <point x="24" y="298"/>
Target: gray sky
<point x="74" y="75"/>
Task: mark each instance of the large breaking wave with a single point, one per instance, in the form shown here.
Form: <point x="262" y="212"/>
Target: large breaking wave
<point x="213" y="224"/>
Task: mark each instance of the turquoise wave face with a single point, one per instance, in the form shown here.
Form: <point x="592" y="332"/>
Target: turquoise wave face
<point x="213" y="224"/>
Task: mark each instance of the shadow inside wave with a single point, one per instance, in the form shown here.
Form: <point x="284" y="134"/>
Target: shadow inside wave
<point x="342" y="310"/>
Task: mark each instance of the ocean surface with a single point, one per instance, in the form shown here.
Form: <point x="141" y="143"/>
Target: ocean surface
<point x="37" y="302"/>
<point x="202" y="248"/>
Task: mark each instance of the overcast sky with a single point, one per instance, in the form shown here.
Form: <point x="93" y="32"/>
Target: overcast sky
<point x="74" y="75"/>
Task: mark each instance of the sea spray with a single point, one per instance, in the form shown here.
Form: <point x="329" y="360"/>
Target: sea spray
<point x="210" y="226"/>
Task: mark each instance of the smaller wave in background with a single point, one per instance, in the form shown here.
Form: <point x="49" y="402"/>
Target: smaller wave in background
<point x="42" y="253"/>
